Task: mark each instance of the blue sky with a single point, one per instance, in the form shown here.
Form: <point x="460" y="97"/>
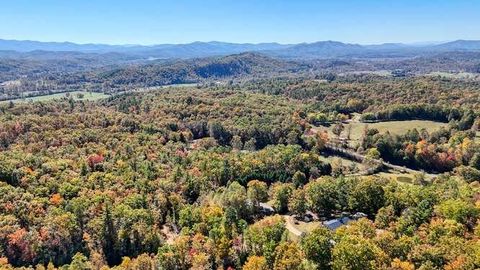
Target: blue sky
<point x="294" y="21"/>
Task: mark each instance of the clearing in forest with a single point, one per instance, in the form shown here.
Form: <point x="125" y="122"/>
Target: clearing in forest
<point x="76" y="95"/>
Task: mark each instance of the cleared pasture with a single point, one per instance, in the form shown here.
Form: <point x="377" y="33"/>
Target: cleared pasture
<point x="394" y="127"/>
<point x="76" y="95"/>
<point x="356" y="129"/>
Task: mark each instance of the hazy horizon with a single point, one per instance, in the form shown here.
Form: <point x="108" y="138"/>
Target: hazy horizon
<point x="417" y="43"/>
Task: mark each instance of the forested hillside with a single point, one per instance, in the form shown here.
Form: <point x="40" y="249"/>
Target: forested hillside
<point x="39" y="77"/>
<point x="184" y="178"/>
<point x="365" y="160"/>
<point x="25" y="74"/>
<point x="239" y="135"/>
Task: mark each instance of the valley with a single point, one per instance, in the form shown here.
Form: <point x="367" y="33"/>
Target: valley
<point x="321" y="155"/>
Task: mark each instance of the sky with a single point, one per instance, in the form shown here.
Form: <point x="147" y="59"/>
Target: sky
<point x="240" y="21"/>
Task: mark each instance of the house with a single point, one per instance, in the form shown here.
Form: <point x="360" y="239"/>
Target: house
<point x="334" y="224"/>
<point x="310" y="215"/>
<point x="359" y="215"/>
<point x="266" y="209"/>
<point x="399" y="73"/>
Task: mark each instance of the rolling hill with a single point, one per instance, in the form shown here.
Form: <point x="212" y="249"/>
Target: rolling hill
<point x="196" y="70"/>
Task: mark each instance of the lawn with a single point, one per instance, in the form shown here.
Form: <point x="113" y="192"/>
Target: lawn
<point x="395" y="128"/>
<point x="76" y="95"/>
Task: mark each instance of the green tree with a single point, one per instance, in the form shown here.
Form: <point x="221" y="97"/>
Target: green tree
<point x="469" y="174"/>
<point x="373" y="153"/>
<point x="321" y="196"/>
<point x="237" y="142"/>
<point x="219" y="133"/>
<point x="367" y="196"/>
<point x="281" y="193"/>
<point x="251" y="145"/>
<point x="475" y="161"/>
<point x="79" y="262"/>
<point x="317" y="246"/>
<point x="384" y="217"/>
<point x="262" y="237"/>
<point x="288" y="257"/>
<point x="356" y="253"/>
<point x="293" y="137"/>
<point x="297" y="204"/>
<point x="299" y="179"/>
<point x="458" y="210"/>
<point x="235" y="197"/>
<point x="110" y="238"/>
<point x="257" y="192"/>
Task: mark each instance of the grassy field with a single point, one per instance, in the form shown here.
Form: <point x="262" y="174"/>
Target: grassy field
<point x="394" y="127"/>
<point x="385" y="73"/>
<point x="76" y="95"/>
<point x="399" y="177"/>
<point x="345" y="162"/>
<point x="460" y="75"/>
<point x="180" y="85"/>
<point x="407" y="178"/>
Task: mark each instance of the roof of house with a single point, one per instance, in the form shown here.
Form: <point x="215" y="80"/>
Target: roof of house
<point x="266" y="207"/>
<point x="359" y="215"/>
<point x="334" y="224"/>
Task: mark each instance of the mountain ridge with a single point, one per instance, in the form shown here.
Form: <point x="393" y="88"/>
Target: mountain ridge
<point x="320" y="49"/>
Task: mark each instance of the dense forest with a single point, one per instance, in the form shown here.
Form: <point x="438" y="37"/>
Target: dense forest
<point x="184" y="178"/>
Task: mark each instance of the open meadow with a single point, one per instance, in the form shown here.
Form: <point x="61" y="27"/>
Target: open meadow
<point x="356" y="129"/>
<point x="76" y="95"/>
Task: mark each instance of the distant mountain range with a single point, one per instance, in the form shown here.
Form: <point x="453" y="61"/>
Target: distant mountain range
<point x="190" y="50"/>
<point x="322" y="49"/>
<point x="335" y="49"/>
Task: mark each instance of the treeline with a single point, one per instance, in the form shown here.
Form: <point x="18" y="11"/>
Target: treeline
<point x="463" y="119"/>
<point x="438" y="151"/>
<point x="371" y="93"/>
